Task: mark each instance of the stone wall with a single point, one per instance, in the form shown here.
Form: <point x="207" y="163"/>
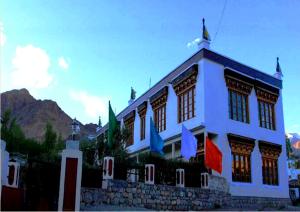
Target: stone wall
<point x="156" y="197"/>
<point x="259" y="203"/>
<point x="163" y="197"/>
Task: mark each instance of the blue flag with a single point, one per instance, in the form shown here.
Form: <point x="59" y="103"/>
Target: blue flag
<point x="156" y="142"/>
<point x="188" y="144"/>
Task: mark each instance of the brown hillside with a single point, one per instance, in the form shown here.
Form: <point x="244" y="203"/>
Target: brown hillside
<point x="32" y="115"/>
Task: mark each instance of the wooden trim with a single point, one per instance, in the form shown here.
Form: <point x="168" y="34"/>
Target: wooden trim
<point x="269" y="150"/>
<point x="142" y="108"/>
<point x="159" y="98"/>
<point x="265" y="95"/>
<point x="238" y="85"/>
<point x="240" y="144"/>
<point x="185" y="80"/>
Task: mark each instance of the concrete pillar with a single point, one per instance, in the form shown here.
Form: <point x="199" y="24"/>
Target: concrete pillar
<point x="133" y="176"/>
<point x="204" y="180"/>
<point x="149" y="174"/>
<point x="13" y="174"/>
<point x="70" y="177"/>
<point x="180" y="178"/>
<point x="4" y="166"/>
<point x="108" y="168"/>
<point x="173" y="150"/>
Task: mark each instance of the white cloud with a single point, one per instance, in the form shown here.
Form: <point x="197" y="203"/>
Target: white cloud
<point x="193" y="43"/>
<point x="30" y="68"/>
<point x="63" y="63"/>
<point x="94" y="106"/>
<point x="2" y="35"/>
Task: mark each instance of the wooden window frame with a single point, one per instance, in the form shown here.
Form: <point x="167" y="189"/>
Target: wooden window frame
<point x="159" y="106"/>
<point x="241" y="150"/>
<point x="234" y="106"/>
<point x="269" y="155"/>
<point x="142" y="110"/>
<point x="129" y="125"/>
<point x="267" y="119"/>
<point x="185" y="88"/>
<point x="189" y="104"/>
<point x="160" y="118"/>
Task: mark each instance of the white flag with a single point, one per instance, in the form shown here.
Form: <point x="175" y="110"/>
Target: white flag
<point x="188" y="144"/>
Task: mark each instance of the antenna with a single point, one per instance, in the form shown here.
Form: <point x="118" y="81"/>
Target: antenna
<point x="220" y="20"/>
<point x="150" y="83"/>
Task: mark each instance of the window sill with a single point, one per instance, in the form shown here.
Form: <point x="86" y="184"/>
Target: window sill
<point x="239" y="121"/>
<point x="234" y="183"/>
<point x="271" y="186"/>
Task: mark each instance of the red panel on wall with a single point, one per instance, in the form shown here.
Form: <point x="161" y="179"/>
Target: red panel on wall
<point x="70" y="184"/>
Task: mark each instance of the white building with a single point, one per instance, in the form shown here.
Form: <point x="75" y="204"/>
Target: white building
<point x="239" y="107"/>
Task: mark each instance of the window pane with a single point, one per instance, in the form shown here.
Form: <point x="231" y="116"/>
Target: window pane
<point x="239" y="106"/>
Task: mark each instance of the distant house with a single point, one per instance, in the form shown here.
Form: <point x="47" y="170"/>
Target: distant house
<point x="238" y="106"/>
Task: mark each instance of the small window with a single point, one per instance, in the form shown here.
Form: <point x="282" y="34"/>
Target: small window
<point x="238" y="106"/>
<point x="186" y="105"/>
<point x="160" y="118"/>
<point x="266" y="115"/>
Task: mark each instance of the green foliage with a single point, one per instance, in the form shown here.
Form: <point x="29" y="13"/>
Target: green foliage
<point x="50" y="138"/>
<point x="288" y="148"/>
<point x="88" y="149"/>
<point x="16" y="141"/>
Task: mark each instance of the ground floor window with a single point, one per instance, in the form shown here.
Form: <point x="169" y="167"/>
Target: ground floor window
<point x="241" y="167"/>
<point x="270" y="153"/>
<point x="270" y="171"/>
<point x="241" y="149"/>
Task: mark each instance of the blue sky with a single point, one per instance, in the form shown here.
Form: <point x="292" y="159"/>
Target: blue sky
<point x="83" y="53"/>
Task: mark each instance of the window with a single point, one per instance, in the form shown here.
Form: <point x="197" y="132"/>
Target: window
<point x="241" y="167"/>
<point x="238" y="106"/>
<point x="186" y="105"/>
<point x="158" y="102"/>
<point x="142" y="109"/>
<point x="130" y="128"/>
<point x="270" y="171"/>
<point x="143" y="126"/>
<point x="266" y="115"/>
<point x="129" y="125"/>
<point x="270" y="153"/>
<point x="160" y="118"/>
<point x="241" y="149"/>
<point x="184" y="87"/>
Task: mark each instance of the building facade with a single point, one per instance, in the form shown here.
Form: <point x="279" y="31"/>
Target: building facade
<point x="239" y="107"/>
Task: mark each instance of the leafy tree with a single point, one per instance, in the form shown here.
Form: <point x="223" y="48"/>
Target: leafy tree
<point x="50" y="138"/>
<point x="288" y="147"/>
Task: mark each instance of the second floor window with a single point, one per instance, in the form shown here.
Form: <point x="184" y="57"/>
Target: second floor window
<point x="266" y="115"/>
<point x="238" y="106"/>
<point x="130" y="128"/>
<point x="129" y="125"/>
<point x="143" y="126"/>
<point x="186" y="105"/>
<point x="160" y="118"/>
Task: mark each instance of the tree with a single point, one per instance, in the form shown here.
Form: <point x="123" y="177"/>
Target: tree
<point x="288" y="147"/>
<point x="50" y="138"/>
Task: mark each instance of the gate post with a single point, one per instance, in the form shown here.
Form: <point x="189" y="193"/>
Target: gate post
<point x="4" y="166"/>
<point x="180" y="178"/>
<point x="149" y="174"/>
<point x="70" y="173"/>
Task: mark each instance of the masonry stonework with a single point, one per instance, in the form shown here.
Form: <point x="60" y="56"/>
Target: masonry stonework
<point x="163" y="197"/>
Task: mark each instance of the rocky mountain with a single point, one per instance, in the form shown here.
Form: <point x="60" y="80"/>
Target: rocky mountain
<point x="32" y="115"/>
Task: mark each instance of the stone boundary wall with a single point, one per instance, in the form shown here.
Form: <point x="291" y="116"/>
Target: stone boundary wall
<point x="163" y="197"/>
<point x="155" y="197"/>
<point x="259" y="203"/>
